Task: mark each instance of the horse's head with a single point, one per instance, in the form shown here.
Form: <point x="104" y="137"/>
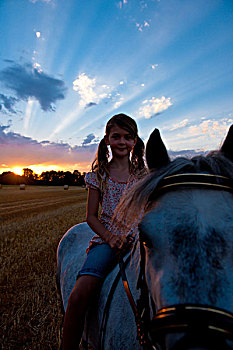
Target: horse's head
<point x="187" y="227"/>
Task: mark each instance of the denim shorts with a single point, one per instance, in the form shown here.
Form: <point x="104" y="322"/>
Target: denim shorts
<point x="100" y="260"/>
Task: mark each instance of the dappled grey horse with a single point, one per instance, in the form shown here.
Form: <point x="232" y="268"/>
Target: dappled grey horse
<point x="180" y="270"/>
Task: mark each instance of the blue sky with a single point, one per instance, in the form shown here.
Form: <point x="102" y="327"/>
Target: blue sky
<point x="67" y="66"/>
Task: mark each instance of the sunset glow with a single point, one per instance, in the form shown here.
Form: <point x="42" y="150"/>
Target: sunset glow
<point x="17" y="170"/>
<point x="37" y="169"/>
<point x="40" y="168"/>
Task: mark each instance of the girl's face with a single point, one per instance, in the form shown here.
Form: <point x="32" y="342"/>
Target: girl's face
<point x="120" y="141"/>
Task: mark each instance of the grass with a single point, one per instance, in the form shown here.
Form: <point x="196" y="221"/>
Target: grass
<point x="32" y="222"/>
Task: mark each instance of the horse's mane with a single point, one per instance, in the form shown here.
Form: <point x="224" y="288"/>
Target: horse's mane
<point x="133" y="205"/>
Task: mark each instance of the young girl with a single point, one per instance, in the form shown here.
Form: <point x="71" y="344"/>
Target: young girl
<point x="106" y="184"/>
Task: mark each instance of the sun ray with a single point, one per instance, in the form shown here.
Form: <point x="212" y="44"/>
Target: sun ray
<point x="28" y="113"/>
<point x="74" y="115"/>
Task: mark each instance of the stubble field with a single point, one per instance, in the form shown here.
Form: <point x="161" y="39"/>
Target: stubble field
<point x="32" y="222"/>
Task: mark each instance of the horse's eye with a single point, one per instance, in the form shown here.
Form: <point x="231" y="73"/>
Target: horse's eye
<point x="145" y="239"/>
<point x="148" y="244"/>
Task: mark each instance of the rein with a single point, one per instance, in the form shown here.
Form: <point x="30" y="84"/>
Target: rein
<point x="176" y="318"/>
<point x="141" y="309"/>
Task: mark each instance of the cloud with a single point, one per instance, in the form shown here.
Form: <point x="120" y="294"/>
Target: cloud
<point x="118" y="103"/>
<point x="154" y="106"/>
<point x="8" y="103"/>
<point x="47" y="1"/>
<point x="210" y="128"/>
<point x="8" y="61"/>
<point x="17" y="150"/>
<point x="91" y="104"/>
<point x="185" y="153"/>
<point x="2" y="128"/>
<point x="37" y="66"/>
<point x="141" y="27"/>
<point x="38" y="35"/>
<point x="179" y="125"/>
<point x="90" y="92"/>
<point x="121" y="3"/>
<point x="206" y="135"/>
<point x="29" y="82"/>
<point x="143" y="4"/>
<point x="88" y="139"/>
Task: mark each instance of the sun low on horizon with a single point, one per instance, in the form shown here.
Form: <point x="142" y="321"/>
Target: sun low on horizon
<point x="39" y="169"/>
<point x="80" y="63"/>
<point x="16" y="170"/>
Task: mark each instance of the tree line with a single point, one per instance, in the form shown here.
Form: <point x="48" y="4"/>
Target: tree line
<point x="52" y="177"/>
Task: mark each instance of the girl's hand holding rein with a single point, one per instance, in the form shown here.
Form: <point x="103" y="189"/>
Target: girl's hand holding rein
<point x="118" y="242"/>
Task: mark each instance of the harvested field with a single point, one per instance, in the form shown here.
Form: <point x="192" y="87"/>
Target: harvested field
<point x="32" y="223"/>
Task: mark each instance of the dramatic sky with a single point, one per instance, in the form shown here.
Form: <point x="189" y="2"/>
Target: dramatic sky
<point x="67" y="66"/>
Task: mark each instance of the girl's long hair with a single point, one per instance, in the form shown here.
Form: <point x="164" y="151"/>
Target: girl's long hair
<point x="101" y="163"/>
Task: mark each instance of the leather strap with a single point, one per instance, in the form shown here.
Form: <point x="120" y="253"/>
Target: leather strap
<point x="210" y="181"/>
<point x="192" y="318"/>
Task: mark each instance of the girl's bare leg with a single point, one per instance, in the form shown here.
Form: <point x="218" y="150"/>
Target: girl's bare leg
<point x="79" y="300"/>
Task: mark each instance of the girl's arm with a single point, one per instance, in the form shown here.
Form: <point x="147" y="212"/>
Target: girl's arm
<point x="93" y="200"/>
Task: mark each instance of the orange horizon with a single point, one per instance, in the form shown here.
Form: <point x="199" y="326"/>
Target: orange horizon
<point x="39" y="169"/>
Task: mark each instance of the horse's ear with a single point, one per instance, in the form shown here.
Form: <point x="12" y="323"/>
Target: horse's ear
<point x="156" y="152"/>
<point x="227" y="147"/>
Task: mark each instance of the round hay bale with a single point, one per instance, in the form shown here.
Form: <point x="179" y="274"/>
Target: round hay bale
<point x="66" y="187"/>
<point x="22" y="186"/>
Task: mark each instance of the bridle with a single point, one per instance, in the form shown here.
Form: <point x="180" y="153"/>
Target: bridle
<point x="185" y="318"/>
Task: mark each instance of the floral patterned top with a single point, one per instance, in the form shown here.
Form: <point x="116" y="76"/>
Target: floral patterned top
<point x="109" y="200"/>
